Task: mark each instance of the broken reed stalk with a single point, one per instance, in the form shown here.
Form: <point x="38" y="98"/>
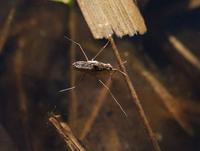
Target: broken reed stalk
<point x="66" y="133"/>
<point x="135" y="97"/>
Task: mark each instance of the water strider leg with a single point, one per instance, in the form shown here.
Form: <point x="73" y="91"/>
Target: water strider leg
<point x="79" y="47"/>
<point x="121" y="108"/>
<point x="67" y="89"/>
<point x="120" y="71"/>
<point x="73" y="87"/>
<point x="101" y="50"/>
<point x="115" y="69"/>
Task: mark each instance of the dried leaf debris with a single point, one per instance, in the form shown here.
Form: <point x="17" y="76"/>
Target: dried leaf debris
<point x="105" y="17"/>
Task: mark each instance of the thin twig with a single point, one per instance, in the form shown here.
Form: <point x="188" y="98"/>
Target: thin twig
<point x="135" y="98"/>
<point x="66" y="133"/>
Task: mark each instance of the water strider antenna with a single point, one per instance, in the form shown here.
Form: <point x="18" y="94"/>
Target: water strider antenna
<point x="121" y="108"/>
<point x="101" y="50"/>
<point x="79" y="47"/>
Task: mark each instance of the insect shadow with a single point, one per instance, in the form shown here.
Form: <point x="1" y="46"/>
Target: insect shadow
<point x="94" y="67"/>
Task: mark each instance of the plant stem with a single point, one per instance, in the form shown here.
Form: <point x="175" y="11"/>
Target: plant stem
<point x="73" y="103"/>
<point x="135" y="97"/>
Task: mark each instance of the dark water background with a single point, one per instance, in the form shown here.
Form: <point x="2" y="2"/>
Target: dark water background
<point x="35" y="63"/>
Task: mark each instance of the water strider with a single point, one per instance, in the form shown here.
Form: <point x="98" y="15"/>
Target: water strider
<point x="95" y="67"/>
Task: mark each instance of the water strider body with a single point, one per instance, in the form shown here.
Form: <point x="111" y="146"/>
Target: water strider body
<point x="92" y="66"/>
<point x="96" y="68"/>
